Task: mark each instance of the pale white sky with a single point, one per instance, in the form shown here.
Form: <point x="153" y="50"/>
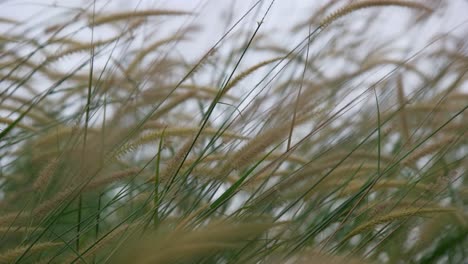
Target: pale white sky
<point x="212" y="13"/>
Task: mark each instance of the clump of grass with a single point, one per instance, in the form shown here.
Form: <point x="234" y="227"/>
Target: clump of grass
<point x="122" y="148"/>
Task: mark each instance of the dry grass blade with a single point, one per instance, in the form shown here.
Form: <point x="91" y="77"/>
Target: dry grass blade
<point x="370" y="3"/>
<point x="106" y="19"/>
<point x="247" y="72"/>
<point x="395" y="216"/>
<point x="11" y="255"/>
<point x="186" y="245"/>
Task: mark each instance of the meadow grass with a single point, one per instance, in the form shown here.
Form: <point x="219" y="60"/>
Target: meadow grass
<point x="337" y="149"/>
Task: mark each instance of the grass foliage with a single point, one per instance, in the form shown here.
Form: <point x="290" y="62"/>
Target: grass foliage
<point x="117" y="148"/>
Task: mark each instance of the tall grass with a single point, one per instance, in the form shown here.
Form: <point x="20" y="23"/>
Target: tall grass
<point x="115" y="148"/>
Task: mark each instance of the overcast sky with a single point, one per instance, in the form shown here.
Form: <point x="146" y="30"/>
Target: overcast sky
<point x="212" y="13"/>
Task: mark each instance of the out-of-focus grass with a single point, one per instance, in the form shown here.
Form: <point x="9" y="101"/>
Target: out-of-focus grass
<point x="136" y="154"/>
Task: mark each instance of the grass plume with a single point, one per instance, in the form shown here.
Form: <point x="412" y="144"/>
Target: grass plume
<point x="124" y="138"/>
